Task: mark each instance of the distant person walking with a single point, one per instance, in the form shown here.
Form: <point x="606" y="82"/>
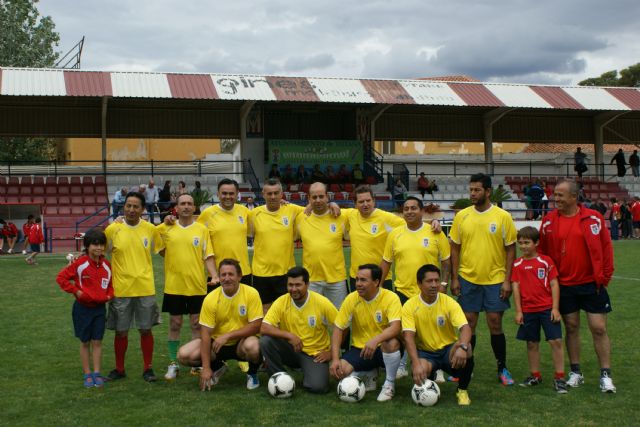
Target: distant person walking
<point x="621" y="163"/>
<point x="634" y="162"/>
<point x="580" y="162"/>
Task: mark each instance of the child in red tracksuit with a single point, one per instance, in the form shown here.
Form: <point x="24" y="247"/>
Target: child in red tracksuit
<point x="88" y="278"/>
<point x="36" y="238"/>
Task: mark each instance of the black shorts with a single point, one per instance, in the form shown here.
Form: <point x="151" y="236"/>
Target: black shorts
<point x="530" y="329"/>
<point x="228" y="352"/>
<point x="177" y="305"/>
<point x="88" y="322"/>
<point x="387" y="284"/>
<point x="270" y="288"/>
<point x="352" y="356"/>
<point x="588" y="297"/>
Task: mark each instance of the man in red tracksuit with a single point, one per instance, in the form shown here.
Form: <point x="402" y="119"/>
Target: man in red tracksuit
<point x="577" y="241"/>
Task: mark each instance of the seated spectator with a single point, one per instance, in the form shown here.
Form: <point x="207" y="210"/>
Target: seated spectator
<point x="302" y="175"/>
<point x="251" y="203"/>
<point x="274" y="172"/>
<point x="118" y="201"/>
<point x="357" y="175"/>
<point x="287" y="176"/>
<point x="399" y="192"/>
<point x="599" y="206"/>
<point x="424" y="185"/>
<point x="10" y="233"/>
<point x="317" y="175"/>
<point x="343" y="175"/>
<point x="331" y="176"/>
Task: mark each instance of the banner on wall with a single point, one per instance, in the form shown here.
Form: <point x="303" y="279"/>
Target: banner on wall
<point x="297" y="152"/>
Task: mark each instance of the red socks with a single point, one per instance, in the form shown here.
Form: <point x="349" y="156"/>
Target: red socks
<point x="559" y="376"/>
<point x="146" y="344"/>
<point x="120" y="345"/>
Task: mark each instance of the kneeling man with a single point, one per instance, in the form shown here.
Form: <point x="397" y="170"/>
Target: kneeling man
<point x="374" y="316"/>
<point x="295" y="332"/>
<point x="230" y="319"/>
<point x="430" y="323"/>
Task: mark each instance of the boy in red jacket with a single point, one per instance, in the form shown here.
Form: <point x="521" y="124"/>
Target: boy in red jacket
<point x="36" y="238"/>
<point x="89" y="279"/>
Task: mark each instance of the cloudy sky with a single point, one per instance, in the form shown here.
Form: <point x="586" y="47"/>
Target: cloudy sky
<point x="524" y="41"/>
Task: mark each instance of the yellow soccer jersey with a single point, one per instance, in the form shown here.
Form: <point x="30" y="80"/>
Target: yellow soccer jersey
<point x="368" y="318"/>
<point x="274" y="234"/>
<point x="369" y="235"/>
<point x="322" y="253"/>
<point x="435" y="325"/>
<point x="131" y="249"/>
<point x="310" y="322"/>
<point x="225" y="314"/>
<point x="483" y="237"/>
<point x="186" y="248"/>
<point x="409" y="250"/>
<point x="228" y="231"/>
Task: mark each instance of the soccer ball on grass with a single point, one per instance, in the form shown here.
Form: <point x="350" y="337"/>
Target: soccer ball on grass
<point x="281" y="385"/>
<point x="426" y="394"/>
<point x="351" y="389"/>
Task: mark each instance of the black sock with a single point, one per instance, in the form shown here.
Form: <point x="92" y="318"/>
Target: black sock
<point x="216" y="364"/>
<point x="499" y="346"/>
<point x="253" y="368"/>
<point x="605" y="372"/>
<point x="473" y="342"/>
<point x="575" y="367"/>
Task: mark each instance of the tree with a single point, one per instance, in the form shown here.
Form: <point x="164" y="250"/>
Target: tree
<point x="26" y="40"/>
<point x="629" y="77"/>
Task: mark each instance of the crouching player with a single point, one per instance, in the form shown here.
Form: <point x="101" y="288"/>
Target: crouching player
<point x="295" y="332"/>
<point x="431" y="322"/>
<point x="88" y="278"/>
<point x="536" y="295"/>
<point x="230" y="319"/>
<point x="374" y="315"/>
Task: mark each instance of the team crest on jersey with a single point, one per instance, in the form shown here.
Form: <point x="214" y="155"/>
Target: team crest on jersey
<point x="240" y="219"/>
<point x="440" y="321"/>
<point x="196" y="241"/>
<point x="285" y="221"/>
<point x="541" y="273"/>
<point x="145" y="242"/>
<point x="378" y="316"/>
<point x="105" y="283"/>
<point x="374" y="228"/>
<point x="333" y="227"/>
<point x="493" y="227"/>
<point x="595" y="229"/>
<point x="312" y="321"/>
<point x="425" y="242"/>
<point x="242" y="309"/>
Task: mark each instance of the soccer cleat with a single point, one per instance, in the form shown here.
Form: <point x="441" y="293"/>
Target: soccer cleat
<point x="452" y="379"/>
<point x="560" y="385"/>
<point x="387" y="392"/>
<point x="10" y="251"/>
<point x="440" y="377"/>
<point x="531" y="381"/>
<point x="98" y="379"/>
<point x="24" y="252"/>
<point x="505" y="377"/>
<point x="606" y="384"/>
<point x="88" y="380"/>
<point x="244" y="366"/>
<point x="172" y="371"/>
<point x="149" y="376"/>
<point x="116" y="375"/>
<point x="218" y="374"/>
<point x="195" y="371"/>
<point x="463" y="397"/>
<point x="575" y="379"/>
<point x="402" y="372"/>
<point x="253" y="381"/>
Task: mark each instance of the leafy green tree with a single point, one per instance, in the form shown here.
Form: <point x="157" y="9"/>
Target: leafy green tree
<point x="629" y="77"/>
<point x="26" y="40"/>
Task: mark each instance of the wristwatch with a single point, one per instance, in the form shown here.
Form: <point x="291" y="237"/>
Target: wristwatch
<point x="464" y="347"/>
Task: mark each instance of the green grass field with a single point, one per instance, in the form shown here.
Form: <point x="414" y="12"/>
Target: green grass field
<point x="41" y="379"/>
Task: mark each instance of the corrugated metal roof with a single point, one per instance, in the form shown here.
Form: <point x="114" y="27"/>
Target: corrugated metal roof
<point x="88" y="84"/>
<point x="630" y="98"/>
<point x="292" y="89"/>
<point x="341" y="90"/>
<point x="517" y="96"/>
<point x="32" y="82"/>
<point x="388" y="92"/>
<point x="140" y="85"/>
<point x="557" y="98"/>
<point x="241" y="87"/>
<point x="431" y="92"/>
<point x="192" y="86"/>
<point x="595" y="98"/>
<point x="476" y="95"/>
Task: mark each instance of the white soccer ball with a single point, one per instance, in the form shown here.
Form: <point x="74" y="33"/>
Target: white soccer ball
<point x="426" y="394"/>
<point x="351" y="389"/>
<point x="70" y="257"/>
<point x="281" y="385"/>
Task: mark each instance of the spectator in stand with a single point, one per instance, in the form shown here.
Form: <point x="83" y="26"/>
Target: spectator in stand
<point x="197" y="190"/>
<point x="621" y="163"/>
<point x="26" y="227"/>
<point x="548" y="192"/>
<point x="10" y="232"/>
<point x="635" y="216"/>
<point x="527" y="201"/>
<point x="599" y="206"/>
<point x="614" y="218"/>
<point x="580" y="162"/>
<point x="251" y="204"/>
<point x="626" y="220"/>
<point x="182" y="189"/>
<point x="151" y="196"/>
<point x="302" y="175"/>
<point x="399" y="192"/>
<point x="317" y="175"/>
<point x="118" y="201"/>
<point x="343" y="175"/>
<point x="287" y="176"/>
<point x="634" y="162"/>
<point x="165" y="200"/>
<point x="424" y="185"/>
<point x="357" y="174"/>
<point x="330" y="174"/>
<point x="536" y="193"/>
<point x="36" y="238"/>
<point x="501" y="190"/>
<point x="274" y="172"/>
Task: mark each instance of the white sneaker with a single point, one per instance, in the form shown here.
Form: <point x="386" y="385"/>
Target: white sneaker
<point x="575" y="379"/>
<point x="606" y="384"/>
<point x="172" y="371"/>
<point x="10" y="251"/>
<point x="402" y="372"/>
<point x="440" y="377"/>
<point x="252" y="381"/>
<point x="24" y="252"/>
<point x="387" y="392"/>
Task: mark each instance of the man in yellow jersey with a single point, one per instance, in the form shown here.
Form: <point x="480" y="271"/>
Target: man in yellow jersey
<point x="230" y="319"/>
<point x="431" y="324"/>
<point x="131" y="244"/>
<point x="373" y="314"/>
<point x="187" y="251"/>
<point x="483" y="238"/>
<point x="412" y="246"/>
<point x="295" y="332"/>
<point x="228" y="227"/>
<point x="322" y="253"/>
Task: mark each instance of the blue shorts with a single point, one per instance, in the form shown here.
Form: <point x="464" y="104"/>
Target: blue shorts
<point x="476" y="298"/>
<point x="359" y="364"/>
<point x="35" y="247"/>
<point x="438" y="359"/>
<point x="588" y="297"/>
<point x="88" y="322"/>
<point x="530" y="329"/>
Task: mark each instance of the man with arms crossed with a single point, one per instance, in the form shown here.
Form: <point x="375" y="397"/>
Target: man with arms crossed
<point x="483" y="238"/>
<point x="295" y="332"/>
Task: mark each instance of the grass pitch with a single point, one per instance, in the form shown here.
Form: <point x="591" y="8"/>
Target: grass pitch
<point x="41" y="380"/>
